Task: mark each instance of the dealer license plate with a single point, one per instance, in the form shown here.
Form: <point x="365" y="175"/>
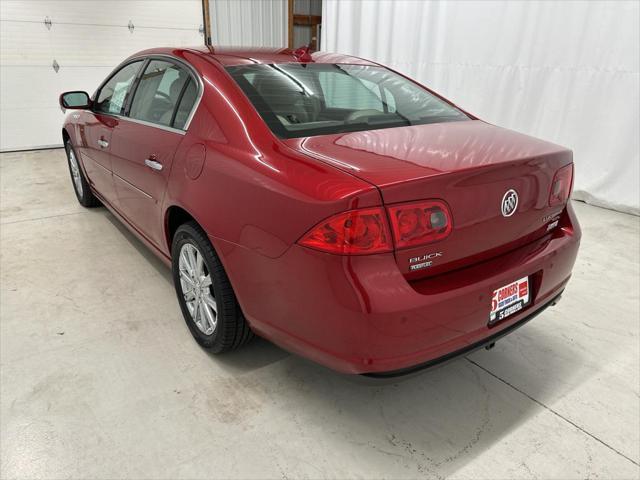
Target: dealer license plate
<point x="509" y="300"/>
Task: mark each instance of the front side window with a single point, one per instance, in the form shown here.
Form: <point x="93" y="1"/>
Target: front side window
<point x="165" y="92"/>
<point x="298" y="100"/>
<point x="113" y="94"/>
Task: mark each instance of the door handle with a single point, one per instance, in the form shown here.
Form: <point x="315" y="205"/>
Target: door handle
<point x="153" y="164"/>
<point x="103" y="143"/>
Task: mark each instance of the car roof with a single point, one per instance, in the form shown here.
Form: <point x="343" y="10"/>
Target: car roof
<point x="231" y="56"/>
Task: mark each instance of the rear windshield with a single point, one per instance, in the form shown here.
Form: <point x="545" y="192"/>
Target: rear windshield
<point x="301" y="100"/>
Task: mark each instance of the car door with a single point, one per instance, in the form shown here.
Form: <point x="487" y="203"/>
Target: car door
<point x="143" y="143"/>
<point x="98" y="125"/>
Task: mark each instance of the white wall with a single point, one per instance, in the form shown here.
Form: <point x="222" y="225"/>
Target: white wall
<point x="87" y="39"/>
<point x="249" y="23"/>
<point x="566" y="71"/>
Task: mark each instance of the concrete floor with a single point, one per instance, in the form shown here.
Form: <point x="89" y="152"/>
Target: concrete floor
<point x="100" y="377"/>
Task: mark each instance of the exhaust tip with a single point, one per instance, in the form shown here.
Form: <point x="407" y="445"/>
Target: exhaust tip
<point x="556" y="300"/>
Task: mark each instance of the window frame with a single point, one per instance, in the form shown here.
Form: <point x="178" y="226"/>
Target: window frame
<point x="115" y="72"/>
<point x="146" y="59"/>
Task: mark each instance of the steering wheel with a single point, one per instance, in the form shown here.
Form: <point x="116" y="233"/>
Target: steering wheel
<point x="358" y="114"/>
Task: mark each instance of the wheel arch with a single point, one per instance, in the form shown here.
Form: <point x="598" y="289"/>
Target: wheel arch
<point x="176" y="215"/>
<point x="173" y="218"/>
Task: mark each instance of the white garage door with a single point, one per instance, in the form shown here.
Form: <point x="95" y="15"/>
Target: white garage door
<point x="86" y="40"/>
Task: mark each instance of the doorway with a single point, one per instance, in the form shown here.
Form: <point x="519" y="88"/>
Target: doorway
<point x="305" y="23"/>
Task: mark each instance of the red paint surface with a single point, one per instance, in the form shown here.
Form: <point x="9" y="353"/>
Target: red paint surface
<point x="256" y="195"/>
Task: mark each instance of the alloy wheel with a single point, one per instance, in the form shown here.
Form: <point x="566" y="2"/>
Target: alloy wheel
<point x="197" y="291"/>
<point x="75" y="172"/>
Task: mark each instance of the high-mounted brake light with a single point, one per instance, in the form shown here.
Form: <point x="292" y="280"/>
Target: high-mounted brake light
<point x="420" y="223"/>
<point x="303" y="54"/>
<point x="356" y="232"/>
<point x="561" y="186"/>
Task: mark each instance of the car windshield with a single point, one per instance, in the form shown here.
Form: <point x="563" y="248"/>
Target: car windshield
<point x="301" y="100"/>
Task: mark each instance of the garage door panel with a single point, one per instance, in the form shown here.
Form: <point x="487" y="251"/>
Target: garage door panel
<point x="41" y="119"/>
<point x="33" y="115"/>
<point x="41" y="86"/>
<point x="163" y="14"/>
<point x="120" y="45"/>
<point x="14" y="50"/>
<point x="87" y="40"/>
<point x="100" y="46"/>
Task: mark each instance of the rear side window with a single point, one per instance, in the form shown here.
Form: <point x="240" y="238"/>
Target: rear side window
<point x="186" y="105"/>
<point x="165" y="95"/>
<point x="113" y="94"/>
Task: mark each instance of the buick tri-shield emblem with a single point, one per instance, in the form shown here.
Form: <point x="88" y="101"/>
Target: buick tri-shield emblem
<point x="509" y="203"/>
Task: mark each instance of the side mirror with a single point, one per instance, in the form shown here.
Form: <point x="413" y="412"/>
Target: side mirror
<point x="74" y="100"/>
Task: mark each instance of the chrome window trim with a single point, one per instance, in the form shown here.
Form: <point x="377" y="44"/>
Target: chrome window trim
<point x="148" y="124"/>
<point x="141" y="122"/>
<point x="159" y="56"/>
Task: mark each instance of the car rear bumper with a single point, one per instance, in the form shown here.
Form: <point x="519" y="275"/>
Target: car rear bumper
<point x="360" y="315"/>
<point x="487" y="343"/>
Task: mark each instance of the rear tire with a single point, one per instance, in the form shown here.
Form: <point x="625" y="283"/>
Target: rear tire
<point x="80" y="185"/>
<point x="205" y="295"/>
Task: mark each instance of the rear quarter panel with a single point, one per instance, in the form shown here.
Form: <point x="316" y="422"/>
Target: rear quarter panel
<point x="251" y="191"/>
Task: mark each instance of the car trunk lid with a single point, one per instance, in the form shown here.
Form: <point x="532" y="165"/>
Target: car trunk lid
<point x="471" y="165"/>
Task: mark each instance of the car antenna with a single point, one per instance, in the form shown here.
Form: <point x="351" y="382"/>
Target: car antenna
<point x="303" y="54"/>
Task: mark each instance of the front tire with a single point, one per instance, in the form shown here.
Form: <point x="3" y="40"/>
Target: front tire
<point x="80" y="185"/>
<point x="206" y="298"/>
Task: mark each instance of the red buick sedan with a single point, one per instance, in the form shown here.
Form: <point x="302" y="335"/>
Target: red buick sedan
<point x="326" y="203"/>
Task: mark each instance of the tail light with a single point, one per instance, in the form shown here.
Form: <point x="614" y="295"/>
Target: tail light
<point x="355" y="232"/>
<point x="561" y="186"/>
<point x="420" y="223"/>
